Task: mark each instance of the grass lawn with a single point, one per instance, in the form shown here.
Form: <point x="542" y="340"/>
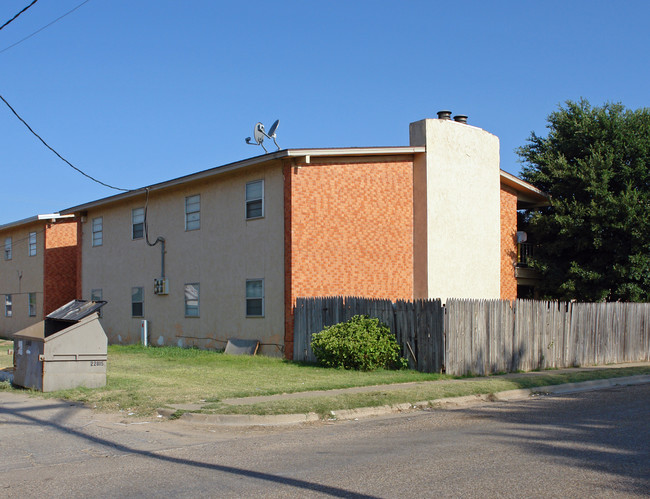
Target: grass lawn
<point x="142" y="379"/>
<point x="6" y="359"/>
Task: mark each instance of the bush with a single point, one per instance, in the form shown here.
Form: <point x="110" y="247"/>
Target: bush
<point x="361" y="343"/>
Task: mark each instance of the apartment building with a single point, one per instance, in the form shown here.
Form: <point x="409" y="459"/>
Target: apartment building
<point x="224" y="253"/>
<point x="38" y="269"/>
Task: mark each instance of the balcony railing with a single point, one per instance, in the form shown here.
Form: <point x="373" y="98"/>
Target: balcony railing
<point x="524" y="253"/>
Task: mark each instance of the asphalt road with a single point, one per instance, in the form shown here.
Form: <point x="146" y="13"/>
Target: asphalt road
<point x="593" y="444"/>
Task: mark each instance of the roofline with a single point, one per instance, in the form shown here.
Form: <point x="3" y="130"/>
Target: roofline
<point x="265" y="158"/>
<point x="523" y="187"/>
<point x="36" y="218"/>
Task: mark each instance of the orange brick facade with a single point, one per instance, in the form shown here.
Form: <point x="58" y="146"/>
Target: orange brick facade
<point x="348" y="231"/>
<point x="61" y="265"/>
<point x="508" y="243"/>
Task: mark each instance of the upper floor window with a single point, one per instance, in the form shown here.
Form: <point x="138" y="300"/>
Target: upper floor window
<point x="192" y="300"/>
<point x="98" y="231"/>
<point x="137" y="223"/>
<point x="8" y="312"/>
<point x="8" y="248"/>
<point x="32" y="244"/>
<point x="32" y="304"/>
<point x="193" y="212"/>
<point x="255" y="199"/>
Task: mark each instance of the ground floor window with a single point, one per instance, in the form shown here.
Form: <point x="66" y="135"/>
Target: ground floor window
<point x="32" y="304"/>
<point x="8" y="311"/>
<point x="137" y="302"/>
<point x="255" y="298"/>
<point x="192" y="300"/>
<point x="96" y="295"/>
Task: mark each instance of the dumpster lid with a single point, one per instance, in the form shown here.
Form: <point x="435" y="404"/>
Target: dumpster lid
<point x="76" y="310"/>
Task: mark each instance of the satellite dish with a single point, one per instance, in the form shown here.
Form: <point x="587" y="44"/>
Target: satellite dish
<point x="258" y="133"/>
<point x="273" y="128"/>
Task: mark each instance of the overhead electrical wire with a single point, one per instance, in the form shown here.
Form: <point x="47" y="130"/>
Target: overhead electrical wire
<point x="46" y="26"/>
<point x="16" y="16"/>
<point x="60" y="157"/>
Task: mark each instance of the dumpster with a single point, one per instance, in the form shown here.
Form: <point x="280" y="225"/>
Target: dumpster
<point x="66" y="350"/>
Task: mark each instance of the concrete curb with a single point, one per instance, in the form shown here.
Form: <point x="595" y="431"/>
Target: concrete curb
<point x="249" y="420"/>
<point x="446" y="403"/>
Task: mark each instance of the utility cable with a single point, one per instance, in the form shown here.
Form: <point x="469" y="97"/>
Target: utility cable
<point x="46" y="26"/>
<point x="159" y="239"/>
<point x="14" y="18"/>
<point x="15" y="241"/>
<point x="60" y="157"/>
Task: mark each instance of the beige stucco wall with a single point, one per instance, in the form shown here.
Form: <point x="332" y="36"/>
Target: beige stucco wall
<point x="21" y="275"/>
<point x="220" y="256"/>
<point x="461" y="171"/>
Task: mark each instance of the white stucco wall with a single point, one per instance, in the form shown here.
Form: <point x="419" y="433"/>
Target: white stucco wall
<point x="220" y="256"/>
<point x="21" y="275"/>
<point x="462" y="209"/>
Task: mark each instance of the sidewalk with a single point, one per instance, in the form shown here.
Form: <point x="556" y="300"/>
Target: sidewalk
<point x="193" y="415"/>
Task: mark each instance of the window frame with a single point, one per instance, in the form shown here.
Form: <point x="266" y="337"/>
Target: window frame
<point x="8" y="248"/>
<point x="141" y="302"/>
<point x="251" y="298"/>
<point x="31" y="245"/>
<point x="251" y="200"/>
<point x="98" y="234"/>
<point x="197" y="286"/>
<point x="189" y="224"/>
<point x="8" y="306"/>
<point x="31" y="304"/>
<point x="134" y="223"/>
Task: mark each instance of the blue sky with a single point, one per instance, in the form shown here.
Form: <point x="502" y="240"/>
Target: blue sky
<point x="141" y="91"/>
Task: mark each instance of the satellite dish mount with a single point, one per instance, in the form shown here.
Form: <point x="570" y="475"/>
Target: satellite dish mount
<point x="259" y="134"/>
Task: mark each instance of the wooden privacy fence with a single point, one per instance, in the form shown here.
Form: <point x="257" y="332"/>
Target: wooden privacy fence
<point x="417" y="325"/>
<point x="490" y="336"/>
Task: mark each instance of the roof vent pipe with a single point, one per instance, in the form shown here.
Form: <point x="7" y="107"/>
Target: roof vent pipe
<point x="460" y="118"/>
<point x="444" y="115"/>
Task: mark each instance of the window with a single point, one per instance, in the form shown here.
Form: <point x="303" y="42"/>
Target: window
<point x="193" y="212"/>
<point x="255" y="199"/>
<point x="32" y="304"/>
<point x="8" y="312"/>
<point x="96" y="295"/>
<point x="192" y="300"/>
<point x="98" y="231"/>
<point x="255" y="298"/>
<point x="32" y="244"/>
<point x="137" y="223"/>
<point x="137" y="302"/>
<point x="8" y="248"/>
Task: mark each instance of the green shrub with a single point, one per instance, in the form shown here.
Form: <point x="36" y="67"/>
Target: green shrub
<point x="361" y="343"/>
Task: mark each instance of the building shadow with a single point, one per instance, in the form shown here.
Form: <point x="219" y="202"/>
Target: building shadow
<point x="27" y="417"/>
<point x="605" y="438"/>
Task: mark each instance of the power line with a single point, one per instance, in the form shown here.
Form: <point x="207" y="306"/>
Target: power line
<point x="13" y="18"/>
<point x="60" y="157"/>
<point x="46" y="26"/>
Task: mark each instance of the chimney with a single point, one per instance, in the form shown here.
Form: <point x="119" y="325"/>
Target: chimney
<point x="444" y="115"/>
<point x="460" y="118"/>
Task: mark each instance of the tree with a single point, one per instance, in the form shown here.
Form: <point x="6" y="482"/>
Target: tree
<point x="594" y="238"/>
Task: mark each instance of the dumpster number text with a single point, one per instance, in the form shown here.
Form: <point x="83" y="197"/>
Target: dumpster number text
<point x="96" y="363"/>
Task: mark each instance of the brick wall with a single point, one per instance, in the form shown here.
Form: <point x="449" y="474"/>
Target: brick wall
<point x="348" y="231"/>
<point x="508" y="243"/>
<point x="61" y="265"/>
